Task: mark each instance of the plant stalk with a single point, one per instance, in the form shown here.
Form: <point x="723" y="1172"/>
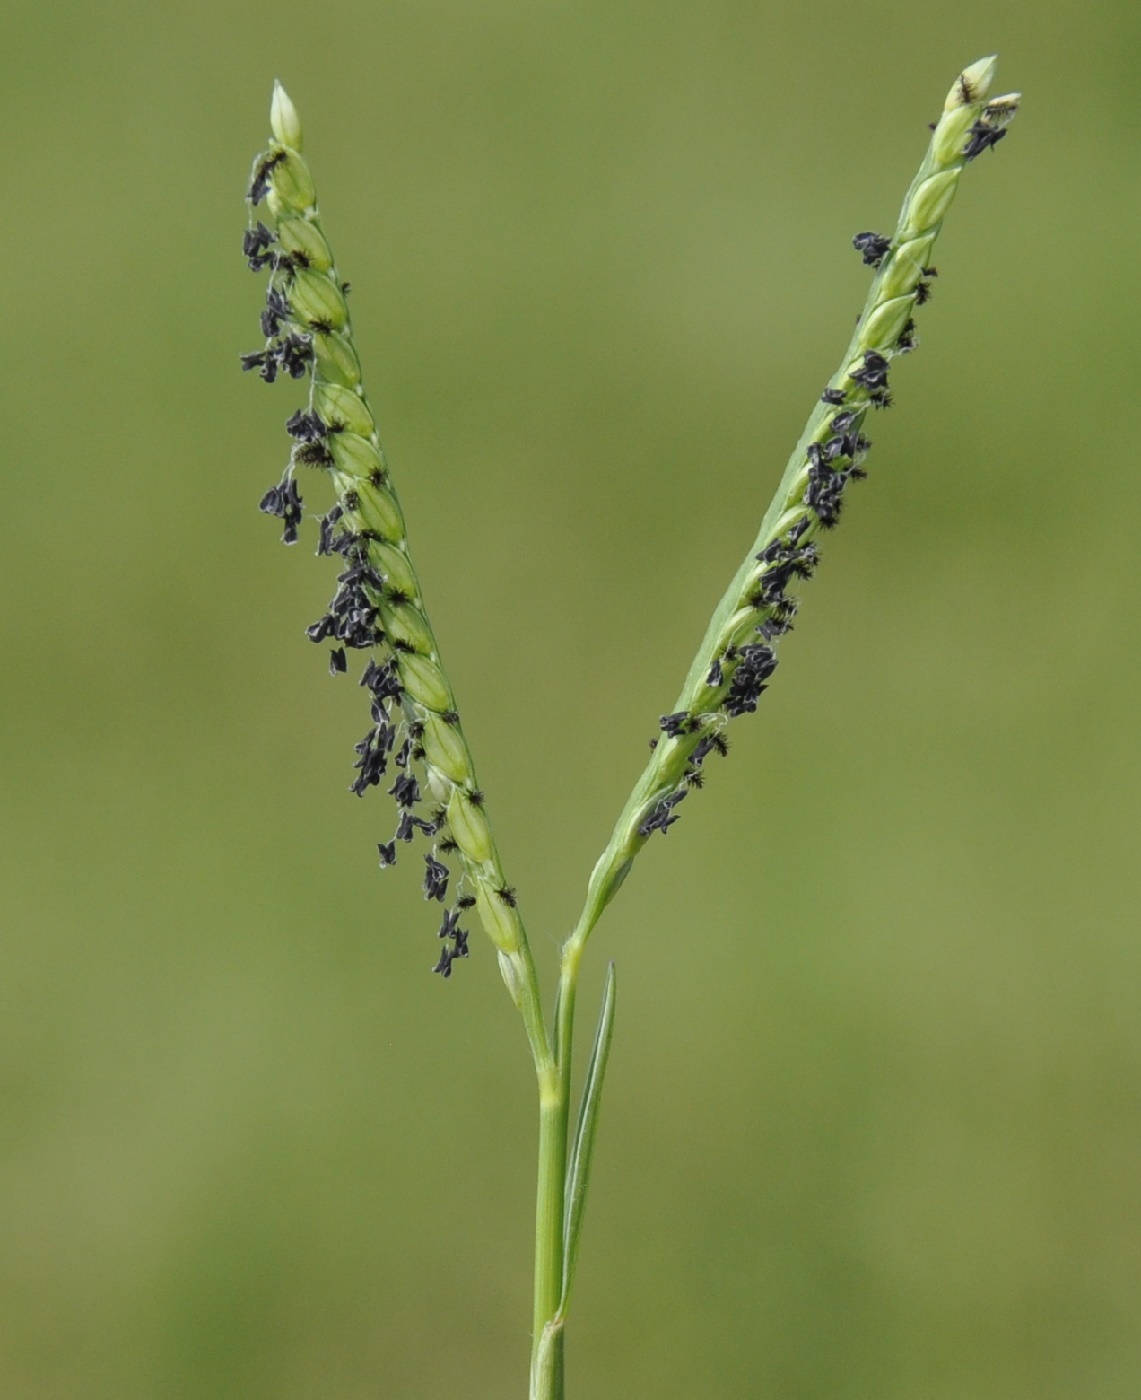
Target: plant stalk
<point x="547" y="1380"/>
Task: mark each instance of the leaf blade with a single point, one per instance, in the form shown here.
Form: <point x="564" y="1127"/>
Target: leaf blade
<point x="586" y="1131"/>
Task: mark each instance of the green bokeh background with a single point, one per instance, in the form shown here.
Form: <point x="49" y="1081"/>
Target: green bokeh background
<point x="872" y="1126"/>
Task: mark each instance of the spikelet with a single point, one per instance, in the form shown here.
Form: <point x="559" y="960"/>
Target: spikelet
<point x="415" y="740"/>
<point x="738" y="656"/>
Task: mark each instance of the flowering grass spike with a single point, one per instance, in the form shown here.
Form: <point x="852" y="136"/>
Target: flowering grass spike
<point x="415" y="737"/>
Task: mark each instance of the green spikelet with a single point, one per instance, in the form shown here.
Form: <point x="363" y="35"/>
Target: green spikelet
<point x="379" y="607"/>
<point x="737" y="657"/>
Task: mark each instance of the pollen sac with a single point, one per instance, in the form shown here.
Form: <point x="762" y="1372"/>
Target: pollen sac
<point x="264" y="361"/>
<point x="306" y="427"/>
<point x="295" y="354"/>
<point x="264" y="167"/>
<point x="435" y="879"/>
<point x="255" y="244"/>
<point x="872" y="374"/>
<point x="372" y="759"/>
<point x="712" y="743"/>
<point x="271" y="503"/>
<point x="406" y="790"/>
<point x="779" y="620"/>
<point x="382" y="682"/>
<point x="785" y="559"/>
<point x="285" y="502"/>
<point x="450" y="928"/>
<point x="291" y="514"/>
<point x="757" y="664"/>
<point x="826" y="483"/>
<point x="872" y="247"/>
<point x="277" y="310"/>
<point x="676" y="724"/>
<point x="662" y="815"/>
<point x="982" y="136"/>
<point x="326" y="528"/>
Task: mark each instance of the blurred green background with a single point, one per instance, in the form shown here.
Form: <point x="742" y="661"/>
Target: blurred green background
<point x="873" y="1120"/>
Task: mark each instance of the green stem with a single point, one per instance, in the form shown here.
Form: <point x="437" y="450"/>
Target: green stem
<point x="550" y="1209"/>
<point x="549" y="1204"/>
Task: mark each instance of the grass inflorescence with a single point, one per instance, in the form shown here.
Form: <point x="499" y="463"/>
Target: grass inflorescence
<point x="415" y="736"/>
<point x="738" y="656"/>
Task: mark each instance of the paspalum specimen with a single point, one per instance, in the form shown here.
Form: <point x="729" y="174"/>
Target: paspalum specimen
<point x="414" y="746"/>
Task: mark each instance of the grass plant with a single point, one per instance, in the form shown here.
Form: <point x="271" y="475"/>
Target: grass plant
<point x="415" y="735"/>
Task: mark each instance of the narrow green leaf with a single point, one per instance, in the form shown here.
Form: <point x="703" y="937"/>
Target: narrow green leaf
<point x="578" y="1169"/>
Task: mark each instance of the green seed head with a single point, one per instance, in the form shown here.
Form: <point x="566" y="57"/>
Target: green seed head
<point x="337" y="360"/>
<point x="931" y="201"/>
<point x="397" y="568"/>
<point x="500" y="920"/>
<point x="738" y="654"/>
<point x="1001" y="110"/>
<point x="445" y="749"/>
<point x="317" y="300"/>
<point x="356" y="456"/>
<point x="965" y="105"/>
<point x="405" y="625"/>
<point x="425" y="682"/>
<point x="905" y="267"/>
<point x="283" y="119"/>
<point x="291" y="189"/>
<point x="342" y="408"/>
<point x="302" y="236"/>
<point x="882" y="328"/>
<point x="377" y="509"/>
<point x="972" y="84"/>
<point x="469" y="827"/>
